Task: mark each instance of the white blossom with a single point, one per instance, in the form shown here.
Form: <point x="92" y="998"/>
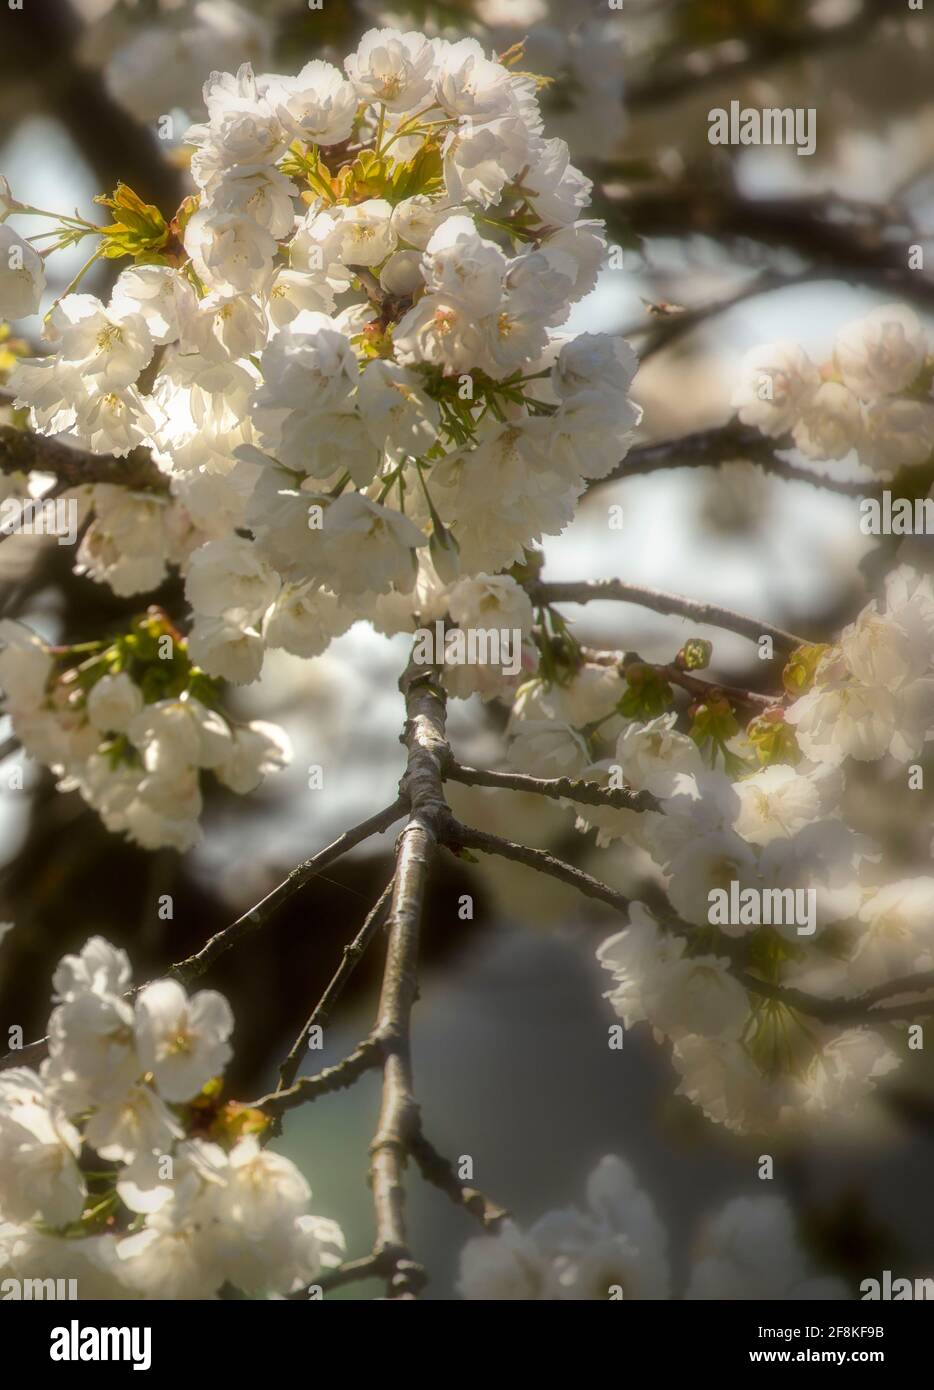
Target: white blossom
<point x="226" y="578"/>
<point x="226" y="649"/>
<point x="831" y="425"/>
<point x="778" y="383"/>
<point x="25" y="664"/>
<point x="256" y="750"/>
<point x="113" y="702"/>
<point x="318" y="104"/>
<point x="108" y="347"/>
<point x="38" y="1148"/>
<point x="182" y="1040"/>
<point x="159" y="294"/>
<point x="392" y="68"/>
<point x="750" y="1250"/>
<point x="22" y="277"/>
<point x="881" y="354"/>
<point x="617" y="1243"/>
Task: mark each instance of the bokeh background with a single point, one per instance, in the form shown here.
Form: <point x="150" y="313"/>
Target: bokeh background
<point x="719" y="249"/>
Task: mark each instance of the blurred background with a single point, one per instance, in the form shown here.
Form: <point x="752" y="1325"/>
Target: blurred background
<point x="718" y="249"/>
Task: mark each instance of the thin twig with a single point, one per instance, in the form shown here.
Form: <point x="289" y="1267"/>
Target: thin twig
<point x="440" y="1171"/>
<point x="557" y="788"/>
<point x="728" y="443"/>
<point x="194" y="966"/>
<point x="711" y="614"/>
<point x="466" y="837"/>
<point x="662" y="330"/>
<point x="695" y="685"/>
<point x="351" y="957"/>
<point x="902" y="984"/>
<point x="706" y="690"/>
<point x="351" y="1272"/>
<point x="845" y="241"/>
<point x="857" y="1009"/>
<point x="364" y="1057"/>
<point x="862" y="1008"/>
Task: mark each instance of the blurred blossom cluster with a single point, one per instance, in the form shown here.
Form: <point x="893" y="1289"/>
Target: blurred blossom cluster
<point x="618" y="1249"/>
<point x="119" y="1166"/>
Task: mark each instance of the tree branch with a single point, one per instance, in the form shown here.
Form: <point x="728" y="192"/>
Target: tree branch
<point x="706" y="690"/>
<point x="22" y="451"/>
<point x="853" y="248"/>
<point x="663" y="329"/>
<point x="730" y="443"/>
<point x="903" y="984"/>
<point x="459" y="836"/>
<point x="351" y="1272"/>
<point x="424" y="736"/>
<point x="351" y="957"/>
<point x="686" y="680"/>
<point x="557" y="788"/>
<point x="863" y="1008"/>
<point x="364" y="1057"/>
<point x="440" y="1171"/>
<point x="592" y="590"/>
<point x="192" y="967"/>
<point x="41" y="70"/>
<point x="758" y="53"/>
<point x="381" y="1264"/>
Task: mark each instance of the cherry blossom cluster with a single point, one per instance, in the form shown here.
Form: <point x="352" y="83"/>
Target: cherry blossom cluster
<point x="618" y="1249"/>
<point x="873" y="689"/>
<point x="131" y="724"/>
<point x="873" y="396"/>
<point x="758" y="1070"/>
<point x="344" y="352"/>
<point x="120" y="1167"/>
<point x="155" y="65"/>
<point x="133" y="538"/>
<point x="770" y="819"/>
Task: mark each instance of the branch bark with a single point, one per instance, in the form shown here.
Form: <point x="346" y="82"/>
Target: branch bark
<point x="40" y="69"/>
<point x="467" y="837"/>
<point x="440" y="1171"/>
<point x="730" y="443"/>
<point x="398" y="1124"/>
<point x="758" y="53"/>
<point x="711" y="614"/>
<point x="557" y="788"/>
<point x="854" y="248"/>
<point x="21" y="451"/>
<point x="364" y="1057"/>
<point x="864" y="1008"/>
